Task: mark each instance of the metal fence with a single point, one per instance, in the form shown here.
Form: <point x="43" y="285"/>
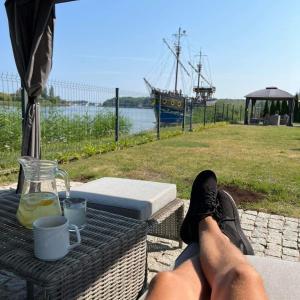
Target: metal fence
<point x="82" y="119"/>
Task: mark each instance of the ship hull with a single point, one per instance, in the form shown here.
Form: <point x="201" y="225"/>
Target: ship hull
<point x="171" y="107"/>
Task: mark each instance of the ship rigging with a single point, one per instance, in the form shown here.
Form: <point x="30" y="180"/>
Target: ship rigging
<point x="173" y="103"/>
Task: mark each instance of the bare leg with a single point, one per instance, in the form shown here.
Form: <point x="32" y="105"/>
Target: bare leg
<point x="185" y="282"/>
<point x="226" y="269"/>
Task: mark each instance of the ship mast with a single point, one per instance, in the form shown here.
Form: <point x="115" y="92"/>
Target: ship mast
<point x="177" y="50"/>
<point x="204" y="92"/>
<point x="199" y="74"/>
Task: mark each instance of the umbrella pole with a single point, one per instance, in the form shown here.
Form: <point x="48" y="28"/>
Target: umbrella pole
<point x="24" y="102"/>
<point x="24" y="99"/>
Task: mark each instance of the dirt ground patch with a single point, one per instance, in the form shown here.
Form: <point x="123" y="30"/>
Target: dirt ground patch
<point x="242" y="195"/>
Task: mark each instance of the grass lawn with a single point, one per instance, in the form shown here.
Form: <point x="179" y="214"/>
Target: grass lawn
<point x="265" y="160"/>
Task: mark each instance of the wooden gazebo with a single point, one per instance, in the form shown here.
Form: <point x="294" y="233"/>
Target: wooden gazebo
<point x="269" y="94"/>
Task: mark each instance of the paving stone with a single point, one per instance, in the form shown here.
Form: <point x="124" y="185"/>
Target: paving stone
<point x="150" y="276"/>
<point x="291" y="225"/>
<point x="261" y="224"/>
<point x="273" y="253"/>
<point x="155" y="266"/>
<point x="290" y="258"/>
<point x="247" y="227"/>
<point x="274" y="231"/>
<point x="263" y="215"/>
<point x="272" y="246"/>
<point x="258" y="247"/>
<point x="290" y="237"/>
<point x="275" y="224"/>
<point x="275" y="236"/>
<point x="260" y="241"/>
<point x="260" y="232"/>
<point x="277" y="217"/>
<point x="247" y="222"/>
<point x="261" y="220"/>
<point x="275" y="239"/>
<point x="290" y="231"/>
<point x="247" y="233"/>
<point x="290" y="252"/>
<point x="259" y="253"/>
<point x="251" y="212"/>
<point x="248" y="217"/>
<point x="289" y="244"/>
<point x="292" y="220"/>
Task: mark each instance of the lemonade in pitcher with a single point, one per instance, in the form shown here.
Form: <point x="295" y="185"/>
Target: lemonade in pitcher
<point x="39" y="196"/>
<point x="35" y="205"/>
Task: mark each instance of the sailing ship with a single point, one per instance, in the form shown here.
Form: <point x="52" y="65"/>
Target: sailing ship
<point x="170" y="105"/>
<point x="204" y="90"/>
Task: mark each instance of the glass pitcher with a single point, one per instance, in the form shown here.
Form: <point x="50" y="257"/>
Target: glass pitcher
<point x="39" y="196"/>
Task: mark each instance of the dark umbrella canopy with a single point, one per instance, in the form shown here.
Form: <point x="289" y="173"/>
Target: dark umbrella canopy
<point x="31" y="26"/>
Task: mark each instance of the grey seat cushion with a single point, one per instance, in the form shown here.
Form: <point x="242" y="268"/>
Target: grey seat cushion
<point x="137" y="199"/>
<point x="281" y="278"/>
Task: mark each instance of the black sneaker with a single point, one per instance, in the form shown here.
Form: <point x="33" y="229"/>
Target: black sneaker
<point x="229" y="223"/>
<point x="203" y="203"/>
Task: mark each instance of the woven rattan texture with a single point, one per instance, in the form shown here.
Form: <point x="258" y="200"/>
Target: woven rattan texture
<point x="109" y="264"/>
<point x="167" y="221"/>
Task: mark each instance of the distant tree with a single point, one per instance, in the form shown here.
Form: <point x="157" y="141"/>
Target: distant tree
<point x="18" y="95"/>
<point x="272" y="108"/>
<point x="278" y="107"/>
<point x="5" y="97"/>
<point x="55" y="100"/>
<point x="45" y="93"/>
<point x="266" y="109"/>
<point x="140" y="102"/>
<point x="51" y="92"/>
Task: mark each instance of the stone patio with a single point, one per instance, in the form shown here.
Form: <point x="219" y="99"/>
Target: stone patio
<point x="270" y="235"/>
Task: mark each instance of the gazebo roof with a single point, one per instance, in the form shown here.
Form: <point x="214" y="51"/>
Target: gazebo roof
<point x="270" y="93"/>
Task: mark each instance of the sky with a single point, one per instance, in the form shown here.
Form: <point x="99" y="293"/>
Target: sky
<point x="250" y="44"/>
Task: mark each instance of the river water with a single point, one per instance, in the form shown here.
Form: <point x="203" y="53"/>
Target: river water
<point x="141" y="119"/>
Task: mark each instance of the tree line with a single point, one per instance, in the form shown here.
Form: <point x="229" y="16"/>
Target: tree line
<point x="47" y="94"/>
<point x="136" y="102"/>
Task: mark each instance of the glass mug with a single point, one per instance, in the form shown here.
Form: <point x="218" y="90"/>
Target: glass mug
<point x="75" y="211"/>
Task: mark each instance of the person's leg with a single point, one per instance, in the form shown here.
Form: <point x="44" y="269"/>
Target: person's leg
<point x="229" y="275"/>
<point x="226" y="269"/>
<point x="185" y="282"/>
<point x="213" y="221"/>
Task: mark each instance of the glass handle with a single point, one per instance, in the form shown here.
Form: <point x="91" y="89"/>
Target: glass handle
<point x="64" y="175"/>
<point x="78" y="237"/>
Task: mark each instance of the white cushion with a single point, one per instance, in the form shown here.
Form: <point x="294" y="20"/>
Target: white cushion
<point x="137" y="199"/>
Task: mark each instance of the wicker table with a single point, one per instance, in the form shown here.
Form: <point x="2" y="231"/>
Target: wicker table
<point x="109" y="264"/>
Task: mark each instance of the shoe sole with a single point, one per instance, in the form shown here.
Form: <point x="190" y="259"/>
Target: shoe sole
<point x="247" y="246"/>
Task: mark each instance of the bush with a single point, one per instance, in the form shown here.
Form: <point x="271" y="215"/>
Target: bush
<point x="10" y="130"/>
<point x="58" y="128"/>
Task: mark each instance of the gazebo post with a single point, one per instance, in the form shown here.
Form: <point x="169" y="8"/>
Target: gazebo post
<point x="291" y="111"/>
<point x="246" y="121"/>
<point x="252" y="106"/>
